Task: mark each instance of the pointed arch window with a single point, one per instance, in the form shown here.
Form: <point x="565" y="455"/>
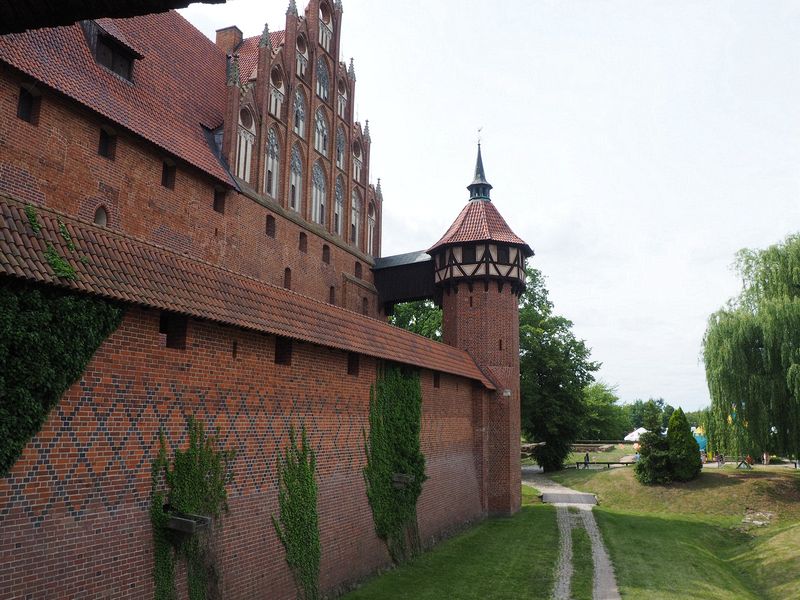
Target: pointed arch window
<point x="299" y="113"/>
<point x="371" y="230"/>
<point x="323" y="79"/>
<point x="272" y="170"/>
<point x="302" y="56"/>
<point x="341" y="102"/>
<point x="325" y="26"/>
<point x="244" y="146"/>
<point x="318" y="194"/>
<point x="357" y="161"/>
<point x="355" y="218"/>
<point x="340" y="144"/>
<point x="277" y="92"/>
<point x="296" y="180"/>
<point x="321" y="132"/>
<point x="338" y="210"/>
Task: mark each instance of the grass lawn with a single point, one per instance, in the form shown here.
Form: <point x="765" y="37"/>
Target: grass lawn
<point x="686" y="540"/>
<point x="612" y="455"/>
<point x="502" y="558"/>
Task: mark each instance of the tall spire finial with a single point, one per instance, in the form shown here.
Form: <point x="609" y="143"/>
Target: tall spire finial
<point x="265" y="40"/>
<point x="378" y="190"/>
<point x="233" y="69"/>
<point x="351" y="71"/>
<point x="337" y="5"/>
<point x="366" y="130"/>
<point x="479" y="188"/>
<point x="292" y="10"/>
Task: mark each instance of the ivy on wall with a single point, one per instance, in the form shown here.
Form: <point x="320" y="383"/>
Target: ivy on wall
<point x="297" y="525"/>
<point x="395" y="468"/>
<point x="47" y="337"/>
<point x="195" y="484"/>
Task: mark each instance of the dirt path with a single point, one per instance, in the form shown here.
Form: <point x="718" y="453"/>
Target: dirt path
<point x="604" y="584"/>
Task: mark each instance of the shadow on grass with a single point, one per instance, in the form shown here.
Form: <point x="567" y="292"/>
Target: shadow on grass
<point x="666" y="557"/>
<point x="502" y="558"/>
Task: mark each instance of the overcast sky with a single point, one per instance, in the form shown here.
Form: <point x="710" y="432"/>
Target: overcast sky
<point x="636" y="145"/>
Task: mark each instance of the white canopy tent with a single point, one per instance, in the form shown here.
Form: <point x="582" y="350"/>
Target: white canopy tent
<point x="633" y="436"/>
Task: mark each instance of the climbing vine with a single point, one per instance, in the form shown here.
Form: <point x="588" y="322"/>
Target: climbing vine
<point x="297" y="526"/>
<point x="395" y="468"/>
<point x="47" y="337"/>
<point x="195" y="484"/>
<point x="30" y="212"/>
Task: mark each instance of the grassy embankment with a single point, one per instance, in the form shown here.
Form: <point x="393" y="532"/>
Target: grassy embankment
<point x="687" y="540"/>
<point x="502" y="558"/>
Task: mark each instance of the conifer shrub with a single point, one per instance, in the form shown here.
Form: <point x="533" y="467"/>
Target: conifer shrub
<point x="654" y="465"/>
<point x="684" y="453"/>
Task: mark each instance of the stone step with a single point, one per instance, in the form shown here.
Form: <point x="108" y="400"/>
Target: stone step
<point x="568" y="498"/>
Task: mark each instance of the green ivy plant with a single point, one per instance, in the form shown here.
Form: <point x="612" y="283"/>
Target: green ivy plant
<point x="30" y="212"/>
<point x="47" y="337"/>
<point x="395" y="468"/>
<point x="195" y="483"/>
<point x="58" y="263"/>
<point x="297" y="526"/>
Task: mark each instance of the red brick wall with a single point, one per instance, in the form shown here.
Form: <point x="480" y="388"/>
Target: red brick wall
<point x="74" y="519"/>
<point x="55" y="163"/>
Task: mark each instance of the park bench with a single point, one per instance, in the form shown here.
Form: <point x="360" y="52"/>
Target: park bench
<point x="579" y="464"/>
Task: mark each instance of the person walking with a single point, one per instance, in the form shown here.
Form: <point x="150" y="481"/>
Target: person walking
<point x="586" y="461"/>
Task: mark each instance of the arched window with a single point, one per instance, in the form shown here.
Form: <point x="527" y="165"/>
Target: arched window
<point x="318" y="194"/>
<point x="270" y="226"/>
<point x="338" y="210"/>
<point x="355" y="218"/>
<point x="357" y="161"/>
<point x="326" y="254"/>
<point x="296" y="180"/>
<point x="323" y="80"/>
<point x="244" y="148"/>
<point x="302" y="56"/>
<point x="371" y="245"/>
<point x="325" y="26"/>
<point x="303" y="242"/>
<point x="321" y="132"/>
<point x="358" y="270"/>
<point x="332" y="295"/>
<point x="276" y="92"/>
<point x="340" y="144"/>
<point x="341" y="104"/>
<point x="287" y="278"/>
<point x="299" y="113"/>
<point x="272" y="170"/>
<point x="101" y="216"/>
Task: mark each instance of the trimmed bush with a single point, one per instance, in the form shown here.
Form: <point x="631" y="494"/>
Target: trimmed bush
<point x="654" y="465"/>
<point x="684" y="453"/>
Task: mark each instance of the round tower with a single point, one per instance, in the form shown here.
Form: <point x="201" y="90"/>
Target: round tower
<point x="479" y="267"/>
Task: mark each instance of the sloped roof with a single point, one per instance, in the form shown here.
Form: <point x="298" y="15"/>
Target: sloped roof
<point x="122" y="268"/>
<point x="480" y="221"/>
<point x="178" y="86"/>
<point x="248" y="54"/>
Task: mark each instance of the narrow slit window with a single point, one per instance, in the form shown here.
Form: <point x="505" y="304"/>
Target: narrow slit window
<point x="28" y="106"/>
<point x="219" y="201"/>
<point x="352" y="363"/>
<point x="107" y="145"/>
<point x="364" y="306"/>
<point x="270" y="228"/>
<point x="436" y="379"/>
<point x="283" y="350"/>
<point x="326" y="254"/>
<point x="168" y="175"/>
<point x="332" y="295"/>
<point x="174" y="328"/>
<point x="287" y="278"/>
<point x="358" y="270"/>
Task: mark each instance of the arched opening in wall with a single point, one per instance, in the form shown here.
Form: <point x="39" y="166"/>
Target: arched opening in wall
<point x="321" y="132"/>
<point x="325" y="13"/>
<point x="101" y="216"/>
<point x="296" y="180"/>
<point x="302" y="55"/>
<point x="283" y="350"/>
<point x="357" y="161"/>
<point x="371" y="230"/>
<point x="219" y="200"/>
<point x="326" y="254"/>
<point x="356" y="207"/>
<point x="244" y="148"/>
<point x="341" y="105"/>
<point x="338" y="209"/>
<point x="235" y="349"/>
<point x="287" y="278"/>
<point x="500" y="345"/>
<point x="323" y="79"/>
<point x="277" y="93"/>
<point x="352" y="363"/>
<point x="303" y="244"/>
<point x="364" y="306"/>
<point x="107" y="144"/>
<point x="29" y="104"/>
<point x="436" y="379"/>
<point x="332" y="295"/>
<point x="325" y="26"/>
<point x="358" y="270"/>
<point x="319" y="194"/>
<point x="299" y="113"/>
<point x="272" y="160"/>
<point x="270" y="228"/>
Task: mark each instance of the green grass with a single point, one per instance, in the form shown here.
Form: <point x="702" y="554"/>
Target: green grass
<point x="685" y="540"/>
<point x="502" y="558"/>
<point x="582" y="566"/>
<point x="530" y="495"/>
<point x="612" y="455"/>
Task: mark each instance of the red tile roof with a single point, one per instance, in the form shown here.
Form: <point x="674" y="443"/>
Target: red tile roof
<point x="248" y="54"/>
<point x="119" y="267"/>
<point x="178" y="87"/>
<point x="480" y="221"/>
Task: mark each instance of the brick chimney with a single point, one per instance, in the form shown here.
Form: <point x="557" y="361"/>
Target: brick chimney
<point x="228" y="38"/>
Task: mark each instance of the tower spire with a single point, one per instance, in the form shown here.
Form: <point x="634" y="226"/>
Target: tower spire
<point x="292" y="10"/>
<point x="479" y="188"/>
<point x="265" y="40"/>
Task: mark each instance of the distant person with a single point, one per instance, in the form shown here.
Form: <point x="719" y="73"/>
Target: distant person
<point x="586" y="461"/>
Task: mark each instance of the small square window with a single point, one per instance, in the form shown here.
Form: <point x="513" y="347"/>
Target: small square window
<point x="28" y="106"/>
<point x="502" y="255"/>
<point x="352" y="363"/>
<point x="270" y="229"/>
<point x="168" y="175"/>
<point x="468" y="254"/>
<point x="283" y="350"/>
<point x="219" y="201"/>
<point x="107" y="145"/>
<point x="174" y="327"/>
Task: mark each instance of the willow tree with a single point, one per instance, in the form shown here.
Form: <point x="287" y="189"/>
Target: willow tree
<point x="751" y="351"/>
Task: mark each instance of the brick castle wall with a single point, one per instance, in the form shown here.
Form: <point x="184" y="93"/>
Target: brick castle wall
<point x="74" y="519"/>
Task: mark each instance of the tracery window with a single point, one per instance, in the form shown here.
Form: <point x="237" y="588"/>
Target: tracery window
<point x="276" y="92"/>
<point x="321" y="132"/>
<point x="357" y="161"/>
<point x="272" y="170"/>
<point x="318" y="194"/>
<point x="371" y="245"/>
<point x="340" y="144"/>
<point x="338" y="210"/>
<point x="355" y="218"/>
<point x="341" y="103"/>
<point x="244" y="147"/>
<point x="296" y="180"/>
<point x="325" y="26"/>
<point x="302" y="56"/>
<point x="299" y="113"/>
<point x="323" y="80"/>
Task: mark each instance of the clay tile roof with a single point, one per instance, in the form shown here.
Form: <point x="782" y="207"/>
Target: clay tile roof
<point x="178" y="86"/>
<point x="119" y="267"/>
<point x="248" y="54"/>
<point x="480" y="221"/>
